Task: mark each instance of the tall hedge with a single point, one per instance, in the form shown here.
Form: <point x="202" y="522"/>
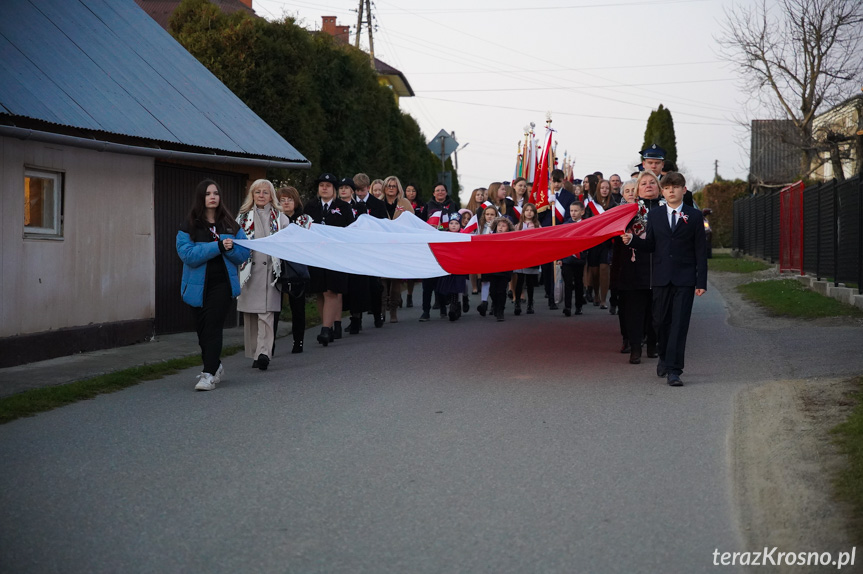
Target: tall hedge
<point x="321" y="96"/>
<point x="660" y="131"/>
<point x="719" y="196"/>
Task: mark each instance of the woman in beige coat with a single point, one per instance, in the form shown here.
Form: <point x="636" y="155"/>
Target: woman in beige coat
<point x="260" y="216"/>
<point x="396" y="204"/>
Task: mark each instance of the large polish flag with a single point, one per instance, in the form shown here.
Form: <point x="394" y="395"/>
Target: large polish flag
<point x="408" y="247"/>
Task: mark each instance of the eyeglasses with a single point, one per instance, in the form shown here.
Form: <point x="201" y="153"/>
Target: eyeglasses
<point x="391" y="186"/>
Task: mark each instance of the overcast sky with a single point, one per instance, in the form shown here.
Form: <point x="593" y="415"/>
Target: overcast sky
<point x="486" y="68"/>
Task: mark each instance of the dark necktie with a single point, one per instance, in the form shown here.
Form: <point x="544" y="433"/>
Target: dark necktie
<point x="326" y="208"/>
<point x="673" y="218"/>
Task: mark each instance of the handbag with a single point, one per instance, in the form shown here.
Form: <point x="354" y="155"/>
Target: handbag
<point x="558" y="285"/>
<point x="294" y="277"/>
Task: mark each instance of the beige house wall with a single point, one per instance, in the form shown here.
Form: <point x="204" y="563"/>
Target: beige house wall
<point x="843" y="119"/>
<point x="102" y="268"/>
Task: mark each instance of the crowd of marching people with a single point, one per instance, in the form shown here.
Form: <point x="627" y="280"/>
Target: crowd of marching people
<point x="615" y="275"/>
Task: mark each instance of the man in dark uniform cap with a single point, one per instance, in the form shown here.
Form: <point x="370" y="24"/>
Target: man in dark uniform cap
<point x="653" y="158"/>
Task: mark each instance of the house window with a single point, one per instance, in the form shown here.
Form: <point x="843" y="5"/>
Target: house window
<point x="43" y="204"/>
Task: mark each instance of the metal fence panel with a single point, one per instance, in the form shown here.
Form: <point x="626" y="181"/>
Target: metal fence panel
<point x="832" y="229"/>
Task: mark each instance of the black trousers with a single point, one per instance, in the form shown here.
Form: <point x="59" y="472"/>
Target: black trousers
<point x="429" y="290"/>
<point x="209" y="322"/>
<point x="637" y="316"/>
<point x="298" y="315"/>
<point x="573" y="284"/>
<point x="497" y="291"/>
<point x="672" y="308"/>
<point x="621" y="313"/>
<point x="548" y="280"/>
<point x="376" y="307"/>
<point x="522" y="280"/>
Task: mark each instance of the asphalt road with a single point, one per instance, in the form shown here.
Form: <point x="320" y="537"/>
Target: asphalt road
<point x="524" y="446"/>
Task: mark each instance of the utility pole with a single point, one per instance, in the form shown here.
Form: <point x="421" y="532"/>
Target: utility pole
<point x="359" y="25"/>
<point x="716" y="170"/>
<point x="371" y="29"/>
<point x="366" y="5"/>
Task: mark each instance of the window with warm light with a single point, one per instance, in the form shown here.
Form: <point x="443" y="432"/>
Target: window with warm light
<point x="43" y="204"/>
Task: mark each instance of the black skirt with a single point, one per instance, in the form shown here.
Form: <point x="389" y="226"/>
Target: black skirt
<point x="321" y="280"/>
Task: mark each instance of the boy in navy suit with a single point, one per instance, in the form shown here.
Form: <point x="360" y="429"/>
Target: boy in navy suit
<point x="675" y="234"/>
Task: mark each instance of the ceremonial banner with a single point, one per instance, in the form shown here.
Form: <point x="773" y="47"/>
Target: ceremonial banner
<point x="539" y="192"/>
<point x="408" y="247"/>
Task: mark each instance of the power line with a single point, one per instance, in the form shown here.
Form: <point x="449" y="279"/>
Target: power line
<point x="559" y="113"/>
<point x="537" y="8"/>
<point x="577" y="87"/>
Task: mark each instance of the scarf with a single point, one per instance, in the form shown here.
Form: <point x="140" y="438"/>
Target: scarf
<point x="247" y="222"/>
<point x="639" y="226"/>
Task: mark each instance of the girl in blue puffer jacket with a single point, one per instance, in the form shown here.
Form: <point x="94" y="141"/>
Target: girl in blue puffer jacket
<point x="205" y="244"/>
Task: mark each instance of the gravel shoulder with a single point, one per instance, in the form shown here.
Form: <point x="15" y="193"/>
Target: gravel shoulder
<point x="782" y="457"/>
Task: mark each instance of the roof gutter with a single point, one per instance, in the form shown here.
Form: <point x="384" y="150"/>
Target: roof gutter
<point x="106" y="146"/>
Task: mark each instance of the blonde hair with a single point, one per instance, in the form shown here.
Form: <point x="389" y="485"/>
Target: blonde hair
<point x="250" y="196"/>
<point x="642" y="175"/>
<point x="492" y="196"/>
<point x="398" y="183"/>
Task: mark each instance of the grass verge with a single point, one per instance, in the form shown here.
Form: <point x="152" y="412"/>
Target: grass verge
<point x="726" y="263"/>
<point x="848" y="483"/>
<point x="789" y="298"/>
<point x="36" y="401"/>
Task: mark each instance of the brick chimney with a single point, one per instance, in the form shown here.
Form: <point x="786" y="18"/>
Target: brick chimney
<point x="340" y="33"/>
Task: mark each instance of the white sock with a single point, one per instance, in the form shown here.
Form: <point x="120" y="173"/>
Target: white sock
<point x="486" y="287"/>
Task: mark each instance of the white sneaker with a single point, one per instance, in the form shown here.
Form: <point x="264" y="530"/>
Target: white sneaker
<point x="219" y="373"/>
<point x="206" y="382"/>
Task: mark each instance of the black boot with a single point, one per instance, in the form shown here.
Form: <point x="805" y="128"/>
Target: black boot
<point x="465" y="303"/>
<point x="356" y="324"/>
<point x="298" y="346"/>
<point x="324" y="337"/>
<point x="337" y="330"/>
<point x="410" y="300"/>
<point x="454" y="308"/>
<point x="482" y="308"/>
<point x="263" y="362"/>
<point x="517" y="310"/>
<point x="499" y="314"/>
<point x="635" y="356"/>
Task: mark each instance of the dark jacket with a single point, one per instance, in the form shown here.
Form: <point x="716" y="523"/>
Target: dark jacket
<point x="565" y="198"/>
<point x="372" y="206"/>
<point x="448" y="206"/>
<point x="626" y="274"/>
<point x="679" y="255"/>
<point x="575" y="258"/>
<point x="341" y="213"/>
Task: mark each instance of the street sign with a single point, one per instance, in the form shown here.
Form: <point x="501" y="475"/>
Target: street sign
<point x="442" y="145"/>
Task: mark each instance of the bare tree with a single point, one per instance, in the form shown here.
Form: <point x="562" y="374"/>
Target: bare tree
<point x="796" y="57"/>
